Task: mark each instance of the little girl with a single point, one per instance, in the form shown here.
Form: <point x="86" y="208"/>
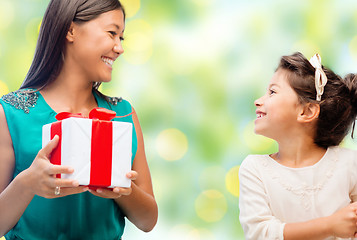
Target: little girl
<point x="306" y="190"/>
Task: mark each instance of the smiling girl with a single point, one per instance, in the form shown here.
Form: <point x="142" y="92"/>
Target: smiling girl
<point x="78" y="43"/>
<point x="306" y="190"/>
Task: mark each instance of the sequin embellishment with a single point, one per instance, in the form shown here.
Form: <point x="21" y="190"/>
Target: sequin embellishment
<point x="114" y="100"/>
<point x="21" y="99"/>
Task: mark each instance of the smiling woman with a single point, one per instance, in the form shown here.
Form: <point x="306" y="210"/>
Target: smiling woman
<point x="103" y="36"/>
<point x="79" y="41"/>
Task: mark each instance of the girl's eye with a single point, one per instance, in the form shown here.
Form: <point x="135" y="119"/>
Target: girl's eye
<point x="271" y="92"/>
<point x="121" y="39"/>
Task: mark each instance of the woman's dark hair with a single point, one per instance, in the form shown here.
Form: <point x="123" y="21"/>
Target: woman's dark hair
<point x="338" y="105"/>
<point x="48" y="60"/>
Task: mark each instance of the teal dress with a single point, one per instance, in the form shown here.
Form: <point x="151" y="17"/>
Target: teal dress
<point x="79" y="216"/>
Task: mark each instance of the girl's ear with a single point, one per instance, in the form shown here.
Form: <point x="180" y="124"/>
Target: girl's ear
<point x="309" y="112"/>
<point x="70" y="33"/>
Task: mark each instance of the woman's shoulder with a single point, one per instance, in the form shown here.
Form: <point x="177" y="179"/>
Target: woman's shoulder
<point x="121" y="106"/>
<point x="22" y="99"/>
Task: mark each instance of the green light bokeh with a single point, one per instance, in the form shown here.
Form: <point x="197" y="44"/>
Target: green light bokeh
<point x="197" y="66"/>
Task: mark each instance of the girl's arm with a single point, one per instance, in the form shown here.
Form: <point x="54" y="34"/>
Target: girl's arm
<point x="255" y="215"/>
<point x="258" y="221"/>
<point x="341" y="224"/>
<point x="15" y="195"/>
<point x="138" y="202"/>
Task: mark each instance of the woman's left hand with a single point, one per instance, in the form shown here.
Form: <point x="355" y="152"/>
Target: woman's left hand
<point x="117" y="191"/>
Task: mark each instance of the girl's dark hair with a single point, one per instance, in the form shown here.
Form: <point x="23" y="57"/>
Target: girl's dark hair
<point x="48" y="60"/>
<point x="338" y="105"/>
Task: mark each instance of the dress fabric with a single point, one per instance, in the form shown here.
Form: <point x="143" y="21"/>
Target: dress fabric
<point x="272" y="195"/>
<point x="79" y="216"/>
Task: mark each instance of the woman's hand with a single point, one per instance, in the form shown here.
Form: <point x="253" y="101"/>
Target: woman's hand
<point x="41" y="175"/>
<point x="117" y="191"/>
<point x="344" y="222"/>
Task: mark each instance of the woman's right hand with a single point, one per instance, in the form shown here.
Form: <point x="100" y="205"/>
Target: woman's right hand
<point x="41" y="175"/>
<point x="344" y="222"/>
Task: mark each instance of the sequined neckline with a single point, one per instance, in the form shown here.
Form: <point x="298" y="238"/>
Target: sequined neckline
<point x="22" y="99"/>
<point x="25" y="99"/>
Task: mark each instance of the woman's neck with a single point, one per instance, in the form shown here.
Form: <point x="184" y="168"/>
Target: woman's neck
<point x="68" y="94"/>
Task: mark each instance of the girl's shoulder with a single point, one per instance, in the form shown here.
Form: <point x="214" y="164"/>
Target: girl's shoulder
<point x="345" y="154"/>
<point x="344" y="150"/>
<point x="255" y="162"/>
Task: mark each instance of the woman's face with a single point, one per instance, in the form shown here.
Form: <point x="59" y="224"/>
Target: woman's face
<point x="93" y="46"/>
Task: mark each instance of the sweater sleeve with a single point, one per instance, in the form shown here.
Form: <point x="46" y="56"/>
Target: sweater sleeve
<point x="353" y="175"/>
<point x="256" y="217"/>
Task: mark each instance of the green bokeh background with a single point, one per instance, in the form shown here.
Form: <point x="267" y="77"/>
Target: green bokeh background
<point x="192" y="69"/>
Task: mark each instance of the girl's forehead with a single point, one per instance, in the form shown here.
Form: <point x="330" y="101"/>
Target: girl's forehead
<point x="279" y="78"/>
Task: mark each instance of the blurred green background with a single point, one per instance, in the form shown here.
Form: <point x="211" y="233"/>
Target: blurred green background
<point x="192" y="69"/>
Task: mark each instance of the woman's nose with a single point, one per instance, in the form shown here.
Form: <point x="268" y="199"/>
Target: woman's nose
<point x="118" y="48"/>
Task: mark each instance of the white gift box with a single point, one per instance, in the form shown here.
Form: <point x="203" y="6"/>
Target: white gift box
<point x="99" y="151"/>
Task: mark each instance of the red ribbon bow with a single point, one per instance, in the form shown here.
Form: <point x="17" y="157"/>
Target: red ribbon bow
<point x="95" y="113"/>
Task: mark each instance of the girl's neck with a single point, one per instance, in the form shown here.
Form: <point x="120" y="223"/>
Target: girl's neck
<point x="299" y="153"/>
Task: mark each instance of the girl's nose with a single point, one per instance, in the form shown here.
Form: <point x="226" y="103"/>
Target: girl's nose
<point x="258" y="102"/>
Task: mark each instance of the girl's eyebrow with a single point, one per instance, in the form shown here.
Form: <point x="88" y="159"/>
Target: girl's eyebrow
<point x="273" y="85"/>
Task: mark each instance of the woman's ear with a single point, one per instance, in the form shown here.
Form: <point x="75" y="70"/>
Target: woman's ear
<point x="70" y="33"/>
<point x="309" y="112"/>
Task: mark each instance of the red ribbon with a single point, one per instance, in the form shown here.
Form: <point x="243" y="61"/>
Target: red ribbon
<point x="95" y="113"/>
<point x="101" y="144"/>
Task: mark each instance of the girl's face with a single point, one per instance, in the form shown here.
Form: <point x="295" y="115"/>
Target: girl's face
<point x="278" y="109"/>
<point x="96" y="44"/>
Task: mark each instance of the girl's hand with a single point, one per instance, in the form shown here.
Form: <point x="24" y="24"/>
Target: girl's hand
<point x="344" y="222"/>
<point x="117" y="191"/>
<point x="41" y="175"/>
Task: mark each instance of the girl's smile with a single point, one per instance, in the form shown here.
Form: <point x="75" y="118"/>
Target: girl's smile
<point x="277" y="110"/>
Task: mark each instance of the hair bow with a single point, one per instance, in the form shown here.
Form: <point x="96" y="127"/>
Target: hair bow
<point x="320" y="76"/>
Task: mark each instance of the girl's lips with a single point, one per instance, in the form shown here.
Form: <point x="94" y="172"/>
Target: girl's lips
<point x="260" y="114"/>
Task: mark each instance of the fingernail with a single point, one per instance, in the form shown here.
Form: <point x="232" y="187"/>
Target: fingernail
<point x="99" y="190"/>
<point x="75" y="183"/>
<point x="116" y="190"/>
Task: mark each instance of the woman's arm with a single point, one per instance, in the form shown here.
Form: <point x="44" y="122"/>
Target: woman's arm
<point x="140" y="206"/>
<point x="15" y="195"/>
<point x="138" y="202"/>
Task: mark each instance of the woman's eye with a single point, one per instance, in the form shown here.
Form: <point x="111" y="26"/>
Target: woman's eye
<point x="113" y="33"/>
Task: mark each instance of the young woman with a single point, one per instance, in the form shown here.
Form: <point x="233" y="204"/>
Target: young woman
<point x="306" y="189"/>
<point x="78" y="42"/>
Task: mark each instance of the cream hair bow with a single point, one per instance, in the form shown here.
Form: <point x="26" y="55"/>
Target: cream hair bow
<point x="320" y="76"/>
